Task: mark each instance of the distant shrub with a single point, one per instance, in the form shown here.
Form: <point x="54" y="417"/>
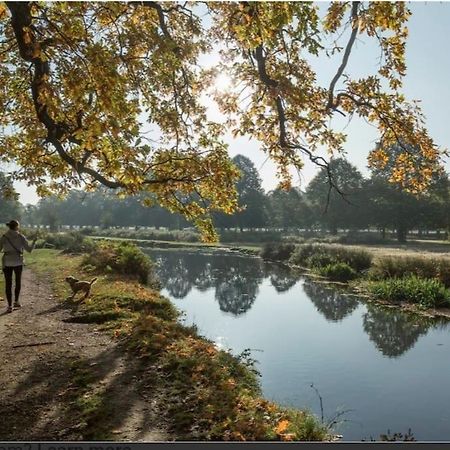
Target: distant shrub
<point x="337" y="272"/>
<point x="87" y="231"/>
<point x="294" y="239"/>
<point x="319" y="255"/>
<point x="363" y="238"/>
<point x="277" y="251"/>
<point x="427" y="293"/>
<point x="124" y="258"/>
<point x="73" y="242"/>
<point x="313" y="239"/>
<point x="423" y="267"/>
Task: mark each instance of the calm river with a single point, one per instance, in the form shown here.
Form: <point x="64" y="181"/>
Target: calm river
<point x="378" y="370"/>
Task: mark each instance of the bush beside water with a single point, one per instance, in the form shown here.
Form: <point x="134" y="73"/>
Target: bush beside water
<point x="423" y="267"/>
<point x="320" y="255"/>
<point x="123" y="258"/>
<point x="428" y="293"/>
<point x="337" y="272"/>
<point x="277" y="251"/>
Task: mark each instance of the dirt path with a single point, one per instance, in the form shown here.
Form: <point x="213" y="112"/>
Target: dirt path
<point x="40" y="385"/>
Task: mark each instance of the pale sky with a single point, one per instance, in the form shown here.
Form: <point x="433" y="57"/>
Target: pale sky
<point x="427" y="79"/>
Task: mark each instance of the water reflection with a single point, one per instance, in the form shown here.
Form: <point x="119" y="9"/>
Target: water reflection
<point x="331" y="303"/>
<point x="236" y="280"/>
<point x="281" y="277"/>
<point x="393" y="332"/>
<point x="237" y="283"/>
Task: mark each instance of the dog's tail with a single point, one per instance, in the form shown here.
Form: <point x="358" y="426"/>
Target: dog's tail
<point x="93" y="281"/>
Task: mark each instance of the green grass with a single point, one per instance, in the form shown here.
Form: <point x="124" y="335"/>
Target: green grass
<point x="421" y="266"/>
<point x="337" y="272"/>
<point x="209" y="393"/>
<point x="427" y="293"/>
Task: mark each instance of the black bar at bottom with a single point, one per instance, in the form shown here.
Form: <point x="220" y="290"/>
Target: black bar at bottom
<point x="107" y="445"/>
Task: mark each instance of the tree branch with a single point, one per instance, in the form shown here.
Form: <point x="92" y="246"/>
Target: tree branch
<point x="348" y="49"/>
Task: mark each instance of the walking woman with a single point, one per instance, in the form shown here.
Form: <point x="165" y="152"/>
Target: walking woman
<point x="13" y="243"/>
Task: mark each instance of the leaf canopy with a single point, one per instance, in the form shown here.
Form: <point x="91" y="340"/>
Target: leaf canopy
<point x="111" y="93"/>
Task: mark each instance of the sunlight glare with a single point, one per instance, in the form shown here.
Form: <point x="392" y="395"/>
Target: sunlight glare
<point x="223" y="82"/>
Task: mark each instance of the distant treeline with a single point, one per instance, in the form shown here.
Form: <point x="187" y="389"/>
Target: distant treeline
<point x="358" y="203"/>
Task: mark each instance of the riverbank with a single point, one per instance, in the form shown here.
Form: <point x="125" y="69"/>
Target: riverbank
<point x="414" y="283"/>
<point x="195" y="390"/>
<point x="368" y="256"/>
<point x="247" y="249"/>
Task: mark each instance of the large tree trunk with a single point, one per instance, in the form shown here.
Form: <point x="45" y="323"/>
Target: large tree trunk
<point x="401" y="234"/>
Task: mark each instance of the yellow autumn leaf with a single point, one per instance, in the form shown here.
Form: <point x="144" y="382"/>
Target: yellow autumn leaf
<point x="282" y="426"/>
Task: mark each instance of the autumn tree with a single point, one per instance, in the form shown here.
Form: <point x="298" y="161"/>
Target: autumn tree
<point x="79" y="81"/>
<point x="278" y="101"/>
<point x="110" y="93"/>
<point x="10" y="207"/>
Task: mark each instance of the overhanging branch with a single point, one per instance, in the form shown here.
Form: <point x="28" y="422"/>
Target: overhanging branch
<point x="348" y="49"/>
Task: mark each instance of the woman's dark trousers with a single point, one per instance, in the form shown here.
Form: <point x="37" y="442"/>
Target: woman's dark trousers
<point x="8" y="271"/>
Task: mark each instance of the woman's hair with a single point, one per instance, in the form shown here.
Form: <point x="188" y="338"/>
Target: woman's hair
<point x="13" y="224"/>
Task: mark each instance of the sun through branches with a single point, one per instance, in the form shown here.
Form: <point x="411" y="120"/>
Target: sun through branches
<point x="109" y="93"/>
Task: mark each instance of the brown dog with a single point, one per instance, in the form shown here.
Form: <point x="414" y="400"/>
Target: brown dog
<point x="80" y="286"/>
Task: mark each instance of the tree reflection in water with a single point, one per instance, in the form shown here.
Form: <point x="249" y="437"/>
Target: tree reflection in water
<point x="393" y="332"/>
<point x="173" y="273"/>
<point x="235" y="278"/>
<point x="281" y="277"/>
<point x="331" y="303"/>
<point x="236" y="281"/>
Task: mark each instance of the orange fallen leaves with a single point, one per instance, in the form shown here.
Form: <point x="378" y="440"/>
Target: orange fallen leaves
<point x="282" y="426"/>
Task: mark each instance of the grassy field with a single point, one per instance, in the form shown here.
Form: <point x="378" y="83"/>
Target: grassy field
<point x="423" y="248"/>
<point x="208" y="393"/>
